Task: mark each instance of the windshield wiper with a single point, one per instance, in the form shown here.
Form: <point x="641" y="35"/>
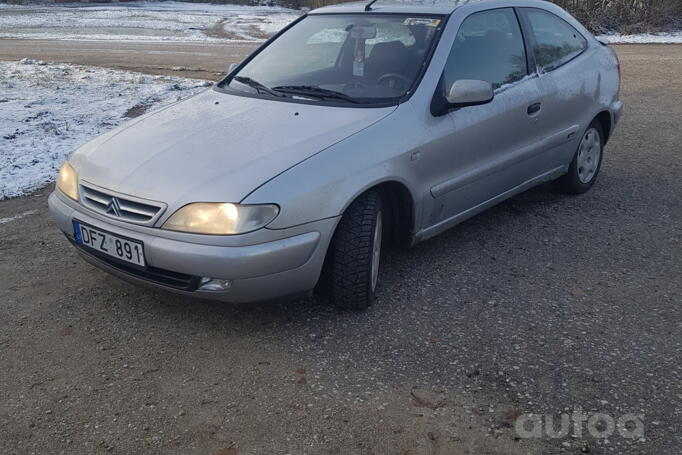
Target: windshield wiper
<point x="260" y="88"/>
<point x="315" y="91"/>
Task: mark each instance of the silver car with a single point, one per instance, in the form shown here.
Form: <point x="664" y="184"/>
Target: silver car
<point x="354" y="126"/>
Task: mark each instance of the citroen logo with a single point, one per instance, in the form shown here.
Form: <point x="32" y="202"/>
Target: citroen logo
<point x="114" y="207"/>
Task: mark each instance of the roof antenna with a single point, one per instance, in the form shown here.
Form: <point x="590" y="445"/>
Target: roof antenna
<point x="368" y="7"/>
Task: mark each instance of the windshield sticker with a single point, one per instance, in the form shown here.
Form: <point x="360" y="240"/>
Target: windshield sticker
<point x="358" y="67"/>
<point x="423" y="21"/>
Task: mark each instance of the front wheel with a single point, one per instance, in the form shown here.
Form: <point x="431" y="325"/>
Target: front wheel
<point x="583" y="171"/>
<point x="356" y="253"/>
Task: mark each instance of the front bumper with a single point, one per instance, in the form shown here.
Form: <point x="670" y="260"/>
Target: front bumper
<point x="262" y="265"/>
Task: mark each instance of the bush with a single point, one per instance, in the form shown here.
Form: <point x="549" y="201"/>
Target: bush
<point x="626" y="16"/>
<point x="600" y="16"/>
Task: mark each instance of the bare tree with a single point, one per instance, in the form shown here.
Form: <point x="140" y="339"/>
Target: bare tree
<point x="628" y="16"/>
<point x="600" y="16"/>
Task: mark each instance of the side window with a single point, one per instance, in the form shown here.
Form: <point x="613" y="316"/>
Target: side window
<point x="488" y="47"/>
<point x="556" y="41"/>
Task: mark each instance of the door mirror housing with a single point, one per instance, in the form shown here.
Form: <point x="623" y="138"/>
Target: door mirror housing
<point x="467" y="92"/>
<point x="233" y="66"/>
<point x="462" y="93"/>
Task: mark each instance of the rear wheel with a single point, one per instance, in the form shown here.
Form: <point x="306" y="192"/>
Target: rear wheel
<point x="356" y="253"/>
<point x="584" y="169"/>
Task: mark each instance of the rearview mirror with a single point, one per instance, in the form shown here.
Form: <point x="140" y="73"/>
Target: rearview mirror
<point x="233" y="66"/>
<point x="363" y="32"/>
<point x="467" y="92"/>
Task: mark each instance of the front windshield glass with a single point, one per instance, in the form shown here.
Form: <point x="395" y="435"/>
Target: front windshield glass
<point x="354" y="58"/>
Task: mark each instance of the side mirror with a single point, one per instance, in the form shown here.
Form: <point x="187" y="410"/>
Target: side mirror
<point x="233" y="66"/>
<point x="462" y="93"/>
<point x="468" y="92"/>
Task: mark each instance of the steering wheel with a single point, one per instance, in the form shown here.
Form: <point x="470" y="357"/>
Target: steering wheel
<point x="392" y="78"/>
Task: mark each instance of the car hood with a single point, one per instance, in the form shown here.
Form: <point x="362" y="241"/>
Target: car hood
<point x="214" y="147"/>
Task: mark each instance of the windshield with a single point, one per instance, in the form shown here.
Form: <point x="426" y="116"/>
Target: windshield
<point x="344" y="59"/>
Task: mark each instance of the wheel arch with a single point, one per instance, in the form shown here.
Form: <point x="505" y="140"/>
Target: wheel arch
<point x="605" y="120"/>
<point x="401" y="204"/>
<point x="402" y="210"/>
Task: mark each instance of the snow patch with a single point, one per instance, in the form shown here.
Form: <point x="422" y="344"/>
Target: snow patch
<point x="48" y="110"/>
<point x="18" y="216"/>
<point x="644" y="38"/>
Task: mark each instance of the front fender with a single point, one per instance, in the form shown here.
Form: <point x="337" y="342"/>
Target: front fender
<point x="325" y="184"/>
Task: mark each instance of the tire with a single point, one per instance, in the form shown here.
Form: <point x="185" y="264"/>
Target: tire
<point x="356" y="252"/>
<point x="586" y="164"/>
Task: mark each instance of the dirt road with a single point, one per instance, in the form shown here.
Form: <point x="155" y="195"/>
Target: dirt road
<point x="206" y="61"/>
<point x="544" y="304"/>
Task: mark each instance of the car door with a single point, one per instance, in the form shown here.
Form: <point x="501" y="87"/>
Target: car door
<point x="568" y="78"/>
<point x="487" y="150"/>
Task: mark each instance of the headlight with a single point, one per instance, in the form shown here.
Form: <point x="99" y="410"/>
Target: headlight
<point x="221" y="218"/>
<point x="67" y="181"/>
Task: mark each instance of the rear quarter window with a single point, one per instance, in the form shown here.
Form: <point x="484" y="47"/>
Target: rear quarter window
<point x="556" y="41"/>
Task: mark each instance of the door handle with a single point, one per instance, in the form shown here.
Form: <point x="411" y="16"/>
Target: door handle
<point x="534" y="108"/>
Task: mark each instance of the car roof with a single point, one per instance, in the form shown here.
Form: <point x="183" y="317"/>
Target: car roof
<point x="414" y="6"/>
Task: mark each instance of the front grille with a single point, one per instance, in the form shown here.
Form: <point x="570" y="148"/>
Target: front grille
<point x="123" y="208"/>
<point x="163" y="277"/>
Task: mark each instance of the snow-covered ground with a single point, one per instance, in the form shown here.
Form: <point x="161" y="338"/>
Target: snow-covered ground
<point x="18" y="216"/>
<point x="645" y="38"/>
<point x="144" y="21"/>
<point x="47" y="110"/>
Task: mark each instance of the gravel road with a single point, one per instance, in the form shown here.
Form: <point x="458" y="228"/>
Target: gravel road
<point x="545" y="304"/>
<point x="205" y="60"/>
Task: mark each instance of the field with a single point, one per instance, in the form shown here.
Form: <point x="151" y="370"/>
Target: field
<point x="215" y="23"/>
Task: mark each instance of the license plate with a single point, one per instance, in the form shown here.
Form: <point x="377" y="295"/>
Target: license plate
<point x="121" y="248"/>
